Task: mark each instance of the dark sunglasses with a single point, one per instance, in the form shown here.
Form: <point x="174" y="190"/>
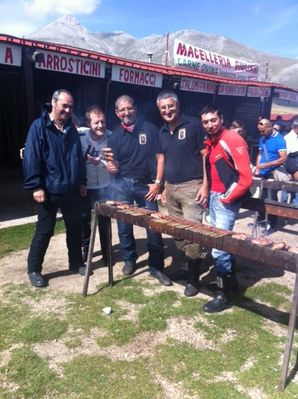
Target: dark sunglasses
<point x="264" y="124"/>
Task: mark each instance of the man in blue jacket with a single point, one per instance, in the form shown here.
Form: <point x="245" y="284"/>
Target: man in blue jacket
<point x="54" y="170"/>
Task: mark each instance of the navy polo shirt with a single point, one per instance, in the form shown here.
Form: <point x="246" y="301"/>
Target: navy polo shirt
<point x="183" y="161"/>
<point x="135" y="151"/>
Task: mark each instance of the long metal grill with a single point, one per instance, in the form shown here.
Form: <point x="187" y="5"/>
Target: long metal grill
<point x="207" y="236"/>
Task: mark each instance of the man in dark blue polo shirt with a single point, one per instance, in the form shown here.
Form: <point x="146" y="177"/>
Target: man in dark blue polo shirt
<point x="138" y="170"/>
<point x="181" y="142"/>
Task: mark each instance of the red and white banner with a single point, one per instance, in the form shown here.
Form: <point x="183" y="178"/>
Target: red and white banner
<point x="286" y="95"/>
<point x="10" y="55"/>
<point x="258" y="91"/>
<point x="231" y="90"/>
<point x="200" y="86"/>
<point x="206" y="61"/>
<point x="58" y="62"/>
<point x="136" y="76"/>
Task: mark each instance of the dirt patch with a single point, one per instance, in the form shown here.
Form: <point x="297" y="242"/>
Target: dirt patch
<point x="181" y="329"/>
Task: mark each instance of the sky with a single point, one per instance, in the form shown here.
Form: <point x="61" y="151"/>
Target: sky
<point x="266" y="25"/>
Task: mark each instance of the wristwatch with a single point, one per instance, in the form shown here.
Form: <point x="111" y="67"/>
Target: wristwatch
<point x="157" y="181"/>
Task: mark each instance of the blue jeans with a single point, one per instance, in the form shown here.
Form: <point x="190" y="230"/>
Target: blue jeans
<point x="222" y="216"/>
<point x="101" y="195"/>
<point x="131" y="191"/>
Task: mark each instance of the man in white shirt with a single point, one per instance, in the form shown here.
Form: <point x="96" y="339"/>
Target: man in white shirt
<point x="292" y="149"/>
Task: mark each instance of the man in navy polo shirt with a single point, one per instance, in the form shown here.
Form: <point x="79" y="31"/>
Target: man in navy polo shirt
<point x="181" y="141"/>
<point x="138" y="170"/>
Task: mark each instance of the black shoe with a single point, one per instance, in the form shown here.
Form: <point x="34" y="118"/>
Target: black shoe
<point x="191" y="290"/>
<point x="129" y="267"/>
<point x="161" y="277"/>
<point x="82" y="271"/>
<point x="219" y="303"/>
<point x="37" y="280"/>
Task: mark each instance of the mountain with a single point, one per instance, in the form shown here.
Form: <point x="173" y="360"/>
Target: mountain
<point x="72" y="33"/>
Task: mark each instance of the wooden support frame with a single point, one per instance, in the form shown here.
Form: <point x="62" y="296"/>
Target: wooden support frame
<point x="94" y="224"/>
<point x="290" y="337"/>
<point x="228" y="243"/>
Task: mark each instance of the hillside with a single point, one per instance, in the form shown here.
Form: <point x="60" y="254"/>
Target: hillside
<point x="71" y="32"/>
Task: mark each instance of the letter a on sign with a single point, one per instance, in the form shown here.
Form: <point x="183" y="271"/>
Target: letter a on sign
<point x="8" y="59"/>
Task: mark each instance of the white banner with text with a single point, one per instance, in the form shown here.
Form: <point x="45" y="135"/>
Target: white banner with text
<point x="136" y="76"/>
<point x="10" y="55"/>
<point x="58" y="62"/>
<point x="206" y="61"/>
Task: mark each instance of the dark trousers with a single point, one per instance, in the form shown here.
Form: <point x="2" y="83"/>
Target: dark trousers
<point x="133" y="191"/>
<point x="270" y="194"/>
<point x="70" y="206"/>
<point x="103" y="221"/>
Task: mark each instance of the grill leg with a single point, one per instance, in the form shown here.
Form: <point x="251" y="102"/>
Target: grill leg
<point x="291" y="329"/>
<point x="110" y="264"/>
<point x="91" y="249"/>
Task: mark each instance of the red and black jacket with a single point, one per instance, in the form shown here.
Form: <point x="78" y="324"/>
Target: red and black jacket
<point x="232" y="164"/>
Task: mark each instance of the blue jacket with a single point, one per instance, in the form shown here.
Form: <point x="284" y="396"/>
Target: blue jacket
<point x="53" y="160"/>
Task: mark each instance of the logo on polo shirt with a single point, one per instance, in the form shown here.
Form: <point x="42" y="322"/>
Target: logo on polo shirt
<point x="142" y="138"/>
<point x="181" y="134"/>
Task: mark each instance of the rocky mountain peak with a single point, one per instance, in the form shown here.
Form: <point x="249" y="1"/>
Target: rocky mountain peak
<point x="118" y="43"/>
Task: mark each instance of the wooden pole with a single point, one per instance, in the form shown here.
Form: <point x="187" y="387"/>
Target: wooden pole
<point x="94" y="223"/>
<point x="291" y="329"/>
<point x="110" y="262"/>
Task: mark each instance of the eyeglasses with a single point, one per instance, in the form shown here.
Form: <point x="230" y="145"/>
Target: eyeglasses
<point x="127" y="109"/>
<point x="264" y="124"/>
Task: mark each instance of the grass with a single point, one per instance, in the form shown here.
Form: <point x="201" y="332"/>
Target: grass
<point x="16" y="238"/>
<point x="74" y="351"/>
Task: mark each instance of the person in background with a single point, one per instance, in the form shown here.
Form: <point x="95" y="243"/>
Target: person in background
<point x="54" y="170"/>
<point x="93" y="139"/>
<point x="280" y="123"/>
<point x="238" y="127"/>
<point x="272" y="154"/>
<point x="181" y="142"/>
<point x="138" y="170"/>
<point x="228" y="177"/>
<point x="292" y="160"/>
<point x="276" y="127"/>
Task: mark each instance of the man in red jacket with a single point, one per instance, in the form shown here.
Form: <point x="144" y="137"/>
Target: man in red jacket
<point x="228" y="177"/>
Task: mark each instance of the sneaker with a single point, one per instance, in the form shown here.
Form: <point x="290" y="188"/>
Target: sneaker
<point x="129" y="267"/>
<point x="37" y="280"/>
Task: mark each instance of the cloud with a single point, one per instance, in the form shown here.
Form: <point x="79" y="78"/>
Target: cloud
<point x="22" y="17"/>
<point x="44" y="8"/>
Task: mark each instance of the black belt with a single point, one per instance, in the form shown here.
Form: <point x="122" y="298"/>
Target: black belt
<point x="144" y="180"/>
